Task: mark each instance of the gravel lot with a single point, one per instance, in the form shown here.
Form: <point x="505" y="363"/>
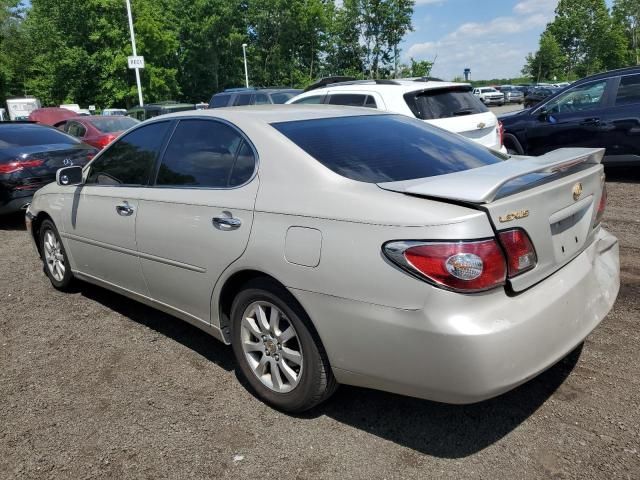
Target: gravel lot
<point x="93" y="385"/>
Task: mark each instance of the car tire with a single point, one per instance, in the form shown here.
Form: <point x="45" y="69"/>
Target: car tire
<point x="287" y="369"/>
<point x="54" y="257"/>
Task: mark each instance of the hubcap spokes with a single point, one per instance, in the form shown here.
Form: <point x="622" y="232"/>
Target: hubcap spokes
<point x="271" y="346"/>
<point x="53" y="256"/>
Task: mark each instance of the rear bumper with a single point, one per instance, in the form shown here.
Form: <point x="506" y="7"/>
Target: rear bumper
<point x="467" y="348"/>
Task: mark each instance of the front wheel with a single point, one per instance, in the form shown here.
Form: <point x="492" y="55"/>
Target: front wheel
<point x="277" y="351"/>
<point x="54" y="257"/>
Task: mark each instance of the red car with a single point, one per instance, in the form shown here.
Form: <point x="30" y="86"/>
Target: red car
<point x="51" y="115"/>
<point x="98" y="130"/>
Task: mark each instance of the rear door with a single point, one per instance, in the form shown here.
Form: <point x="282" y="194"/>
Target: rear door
<point x="196" y="218"/>
<point x="621" y="123"/>
<point x="100" y="225"/>
<point x="574" y="118"/>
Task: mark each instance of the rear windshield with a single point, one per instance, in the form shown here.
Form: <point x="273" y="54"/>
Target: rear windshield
<point x="434" y="104"/>
<point x="385" y="148"/>
<point x="28" y="135"/>
<point x="116" y="124"/>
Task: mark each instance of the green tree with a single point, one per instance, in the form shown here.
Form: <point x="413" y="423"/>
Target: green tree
<point x="547" y="62"/>
<point x="626" y="14"/>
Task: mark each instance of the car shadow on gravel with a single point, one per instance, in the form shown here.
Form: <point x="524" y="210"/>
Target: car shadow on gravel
<point x="162" y="323"/>
<point x="12" y="221"/>
<point x="441" y="430"/>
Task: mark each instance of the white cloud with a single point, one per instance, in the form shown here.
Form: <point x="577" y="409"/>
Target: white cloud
<point x="492" y="49"/>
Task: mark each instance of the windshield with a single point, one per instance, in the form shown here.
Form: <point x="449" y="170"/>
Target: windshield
<point x="282" y="97"/>
<point x="385" y="148"/>
<point x="25" y="135"/>
<point x="116" y="124"/>
<point x="433" y="104"/>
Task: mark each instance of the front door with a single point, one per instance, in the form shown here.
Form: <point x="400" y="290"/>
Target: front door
<point x="572" y="119"/>
<point x="196" y="218"/>
<point x="100" y="226"/>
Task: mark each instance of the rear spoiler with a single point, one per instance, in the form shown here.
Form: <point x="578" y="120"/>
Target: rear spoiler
<point x="482" y="184"/>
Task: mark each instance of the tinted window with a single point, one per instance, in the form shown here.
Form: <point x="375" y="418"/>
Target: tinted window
<point x="444" y="103"/>
<point x="205" y="153"/>
<point x="219" y="101"/>
<point x="310" y="100"/>
<point x="26" y="135"/>
<point x="577" y="99"/>
<point x="243" y="99"/>
<point x="282" y="97"/>
<point x="76" y="129"/>
<point x="130" y="160"/>
<point x="262" y="99"/>
<point x="370" y="102"/>
<point x="385" y="148"/>
<point x="629" y="90"/>
<point x="113" y="124"/>
<point x="351" y="99"/>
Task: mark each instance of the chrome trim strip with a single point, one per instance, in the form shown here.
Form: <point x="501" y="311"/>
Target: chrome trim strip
<point x="134" y="253"/>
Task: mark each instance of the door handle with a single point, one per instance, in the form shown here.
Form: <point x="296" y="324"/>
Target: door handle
<point x="229" y="223"/>
<point x="124" y="209"/>
<point x="591" y="122"/>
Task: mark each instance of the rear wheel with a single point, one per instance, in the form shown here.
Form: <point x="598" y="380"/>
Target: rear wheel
<point x="277" y="351"/>
<point x="54" y="256"/>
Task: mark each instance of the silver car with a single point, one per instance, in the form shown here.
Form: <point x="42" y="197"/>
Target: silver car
<point x="346" y="245"/>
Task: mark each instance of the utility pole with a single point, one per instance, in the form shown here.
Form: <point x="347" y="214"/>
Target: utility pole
<point x="246" y="72"/>
<point x="135" y="53"/>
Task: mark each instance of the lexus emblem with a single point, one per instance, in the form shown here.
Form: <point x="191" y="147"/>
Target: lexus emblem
<point x="67" y="162"/>
<point x="577" y="191"/>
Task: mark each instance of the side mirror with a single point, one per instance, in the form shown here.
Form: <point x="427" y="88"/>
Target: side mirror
<point x="69" y="176"/>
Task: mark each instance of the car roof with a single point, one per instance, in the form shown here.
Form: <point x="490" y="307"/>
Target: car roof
<point x="610" y="73"/>
<point x="268" y="114"/>
<point x="383" y="86"/>
<point x="253" y="90"/>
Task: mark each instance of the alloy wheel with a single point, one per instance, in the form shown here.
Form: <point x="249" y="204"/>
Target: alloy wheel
<point x="53" y="256"/>
<point x="271" y="346"/>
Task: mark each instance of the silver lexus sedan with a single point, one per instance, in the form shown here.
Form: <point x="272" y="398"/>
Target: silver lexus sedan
<point x="334" y="245"/>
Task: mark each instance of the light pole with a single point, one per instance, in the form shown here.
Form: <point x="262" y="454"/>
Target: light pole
<point x="135" y="54"/>
<point x="246" y="72"/>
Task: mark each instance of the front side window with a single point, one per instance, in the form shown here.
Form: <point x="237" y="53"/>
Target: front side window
<point x="130" y="160"/>
<point x="578" y="99"/>
<point x="262" y="99"/>
<point x="206" y="153"/>
<point x="385" y="148"/>
<point x="629" y="90"/>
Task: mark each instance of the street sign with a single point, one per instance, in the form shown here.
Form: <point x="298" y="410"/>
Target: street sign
<point x="92" y="108"/>
<point x="136" y="62"/>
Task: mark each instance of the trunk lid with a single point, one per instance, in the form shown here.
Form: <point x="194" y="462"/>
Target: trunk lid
<point x="479" y="127"/>
<point x="553" y="198"/>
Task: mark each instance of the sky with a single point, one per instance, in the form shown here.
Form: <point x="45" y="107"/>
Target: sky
<point x="490" y="37"/>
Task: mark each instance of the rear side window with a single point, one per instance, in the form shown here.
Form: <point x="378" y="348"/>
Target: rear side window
<point x="243" y="99"/>
<point x="310" y="100"/>
<point x="206" y="153"/>
<point x="262" y="99"/>
<point x="130" y="160"/>
<point x="218" y="101"/>
<point x="26" y="135"/>
<point x="434" y="104"/>
<point x="76" y="129"/>
<point x="629" y="90"/>
<point x="282" y="97"/>
<point x="350" y="99"/>
<point x="385" y="148"/>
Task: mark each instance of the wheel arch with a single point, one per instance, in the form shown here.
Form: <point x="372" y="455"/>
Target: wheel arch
<point x="510" y="140"/>
<point x="35" y="228"/>
<point x="234" y="284"/>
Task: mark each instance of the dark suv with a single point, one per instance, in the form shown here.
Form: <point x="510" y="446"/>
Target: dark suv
<point x="598" y="111"/>
<point x="233" y="97"/>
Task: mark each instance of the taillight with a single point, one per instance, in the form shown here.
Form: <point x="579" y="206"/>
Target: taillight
<point x="465" y="266"/>
<point x="602" y="205"/>
<point x="501" y="133"/>
<point x="17" y="165"/>
<point x="521" y="256"/>
<point x="105" y="140"/>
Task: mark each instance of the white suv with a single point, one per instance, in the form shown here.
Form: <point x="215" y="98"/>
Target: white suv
<point x="450" y="106"/>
